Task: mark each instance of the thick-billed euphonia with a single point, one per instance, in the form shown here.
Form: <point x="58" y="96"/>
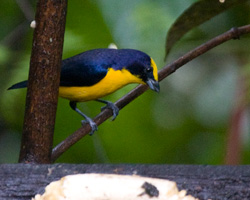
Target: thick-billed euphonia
<point x="96" y="73"/>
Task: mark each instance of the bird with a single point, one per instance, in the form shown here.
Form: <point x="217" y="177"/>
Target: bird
<point x="96" y="73"/>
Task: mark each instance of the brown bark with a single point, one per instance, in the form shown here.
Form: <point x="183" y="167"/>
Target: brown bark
<point x="44" y="77"/>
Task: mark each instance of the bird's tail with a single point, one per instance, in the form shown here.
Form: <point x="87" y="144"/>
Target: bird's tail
<point x="22" y="84"/>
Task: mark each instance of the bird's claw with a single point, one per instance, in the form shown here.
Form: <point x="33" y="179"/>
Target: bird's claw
<point x="113" y="107"/>
<point x="92" y="124"/>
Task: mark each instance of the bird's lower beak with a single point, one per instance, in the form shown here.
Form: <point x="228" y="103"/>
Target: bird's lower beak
<point x="153" y="85"/>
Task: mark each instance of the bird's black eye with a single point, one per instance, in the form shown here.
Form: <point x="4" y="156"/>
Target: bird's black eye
<point x="148" y="70"/>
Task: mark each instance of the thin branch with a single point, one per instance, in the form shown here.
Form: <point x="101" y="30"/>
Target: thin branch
<point x="15" y="35"/>
<point x="234" y="33"/>
<point x="23" y="27"/>
<point x="26" y="8"/>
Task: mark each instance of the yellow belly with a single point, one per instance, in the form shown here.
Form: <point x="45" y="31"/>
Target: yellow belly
<point x="114" y="80"/>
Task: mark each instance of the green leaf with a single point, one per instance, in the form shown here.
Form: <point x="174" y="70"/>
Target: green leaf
<point x="195" y="15"/>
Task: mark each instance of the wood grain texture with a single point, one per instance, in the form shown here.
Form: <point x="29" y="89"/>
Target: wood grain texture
<point x="23" y="181"/>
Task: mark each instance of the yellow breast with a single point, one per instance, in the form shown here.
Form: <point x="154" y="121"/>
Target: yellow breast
<point x="114" y="80"/>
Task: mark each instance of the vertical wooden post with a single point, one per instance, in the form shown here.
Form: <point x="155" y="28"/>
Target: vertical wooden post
<point x="44" y="78"/>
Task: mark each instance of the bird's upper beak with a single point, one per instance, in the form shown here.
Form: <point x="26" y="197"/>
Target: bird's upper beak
<point x="153" y="85"/>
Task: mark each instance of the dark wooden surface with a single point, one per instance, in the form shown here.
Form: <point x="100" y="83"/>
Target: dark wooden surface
<point x="23" y="181"/>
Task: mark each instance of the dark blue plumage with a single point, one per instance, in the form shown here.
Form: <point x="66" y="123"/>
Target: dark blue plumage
<point x="89" y="67"/>
<point x="22" y="84"/>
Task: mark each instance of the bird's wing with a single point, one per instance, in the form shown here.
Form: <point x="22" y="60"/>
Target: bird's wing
<point x="77" y="73"/>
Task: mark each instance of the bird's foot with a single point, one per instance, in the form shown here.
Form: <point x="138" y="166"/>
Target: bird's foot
<point x="113" y="107"/>
<point x="87" y="119"/>
<point x="92" y="124"/>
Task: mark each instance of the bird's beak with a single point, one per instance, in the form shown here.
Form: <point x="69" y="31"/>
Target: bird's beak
<point x="153" y="85"/>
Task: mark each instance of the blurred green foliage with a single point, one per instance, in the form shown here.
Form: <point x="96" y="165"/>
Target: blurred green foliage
<point x="187" y="122"/>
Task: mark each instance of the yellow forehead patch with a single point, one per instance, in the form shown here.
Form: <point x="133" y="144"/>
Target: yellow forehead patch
<point x="155" y="71"/>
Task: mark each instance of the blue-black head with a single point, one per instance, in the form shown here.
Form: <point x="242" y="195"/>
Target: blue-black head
<point x="136" y="62"/>
<point x="143" y="66"/>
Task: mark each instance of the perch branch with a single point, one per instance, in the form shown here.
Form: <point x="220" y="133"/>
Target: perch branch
<point x="234" y="33"/>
